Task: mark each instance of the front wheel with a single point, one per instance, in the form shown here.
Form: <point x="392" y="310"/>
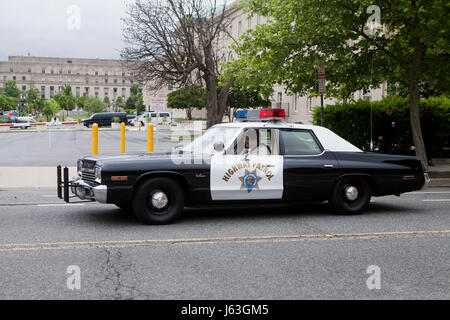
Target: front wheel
<point x="158" y="201"/>
<point x="351" y="195"/>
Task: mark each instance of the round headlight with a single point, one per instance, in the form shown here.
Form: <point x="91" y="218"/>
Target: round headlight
<point x="98" y="174"/>
<point x="79" y="166"/>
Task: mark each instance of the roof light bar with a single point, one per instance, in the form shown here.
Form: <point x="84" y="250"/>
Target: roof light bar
<point x="260" y="114"/>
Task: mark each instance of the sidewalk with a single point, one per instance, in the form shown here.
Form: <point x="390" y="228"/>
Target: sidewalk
<point x="440" y="173"/>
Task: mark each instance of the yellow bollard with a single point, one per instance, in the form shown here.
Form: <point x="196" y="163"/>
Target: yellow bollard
<point x="122" y="138"/>
<point x="95" y="139"/>
<point x="150" y="137"/>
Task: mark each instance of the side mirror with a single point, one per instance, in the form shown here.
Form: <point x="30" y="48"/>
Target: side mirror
<point x="219" y="146"/>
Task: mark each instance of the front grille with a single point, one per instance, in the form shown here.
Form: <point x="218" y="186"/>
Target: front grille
<point x="87" y="175"/>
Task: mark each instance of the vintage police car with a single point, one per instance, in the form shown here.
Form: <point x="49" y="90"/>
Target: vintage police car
<point x="243" y="163"/>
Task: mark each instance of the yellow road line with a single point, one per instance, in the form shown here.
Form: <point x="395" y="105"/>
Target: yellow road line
<point x="220" y="240"/>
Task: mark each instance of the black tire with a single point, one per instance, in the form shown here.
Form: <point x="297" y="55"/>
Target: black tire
<point x="340" y="201"/>
<point x="144" y="208"/>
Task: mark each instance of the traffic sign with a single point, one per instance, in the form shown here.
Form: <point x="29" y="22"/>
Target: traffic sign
<point x="322" y="81"/>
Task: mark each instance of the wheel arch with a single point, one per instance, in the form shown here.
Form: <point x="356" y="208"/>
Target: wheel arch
<point x="177" y="177"/>
<point x="369" y="178"/>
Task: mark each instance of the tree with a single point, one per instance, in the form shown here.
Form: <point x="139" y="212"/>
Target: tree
<point x="7" y="103"/>
<point x="65" y="99"/>
<point x="33" y="98"/>
<point x="140" y="106"/>
<point x="187" y="98"/>
<point x="10" y="89"/>
<point x="106" y="101"/>
<point x="94" y="105"/>
<point x="50" y="107"/>
<point x="82" y="101"/>
<point x="174" y="42"/>
<point x="130" y="104"/>
<point x="244" y="98"/>
<point x="409" y="46"/>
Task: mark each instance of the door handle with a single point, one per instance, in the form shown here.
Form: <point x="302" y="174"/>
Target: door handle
<point x="328" y="166"/>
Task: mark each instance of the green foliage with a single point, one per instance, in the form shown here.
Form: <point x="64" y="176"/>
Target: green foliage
<point x="10" y="89"/>
<point x="130" y="103"/>
<point x="33" y="97"/>
<point x="119" y="101"/>
<point x="50" y="107"/>
<point x="7" y="103"/>
<point x="303" y="35"/>
<point x="140" y="106"/>
<point x="352" y="122"/>
<point x="116" y="119"/>
<point x="187" y="98"/>
<point x="106" y="101"/>
<point x="94" y="105"/>
<point x="82" y="101"/>
<point x="65" y="99"/>
<point x="134" y="90"/>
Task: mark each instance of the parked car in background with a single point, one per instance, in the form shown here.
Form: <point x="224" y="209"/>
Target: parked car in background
<point x="105" y="119"/>
<point x="131" y="118"/>
<point x="156" y="118"/>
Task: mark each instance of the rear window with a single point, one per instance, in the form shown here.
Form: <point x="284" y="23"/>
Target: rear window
<point x="298" y="142"/>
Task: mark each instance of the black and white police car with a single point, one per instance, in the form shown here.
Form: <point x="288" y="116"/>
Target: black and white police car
<point x="260" y="159"/>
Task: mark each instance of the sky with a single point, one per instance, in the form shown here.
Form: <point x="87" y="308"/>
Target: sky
<point x="62" y="28"/>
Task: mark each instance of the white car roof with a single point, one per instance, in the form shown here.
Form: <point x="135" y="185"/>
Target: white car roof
<point x="328" y="139"/>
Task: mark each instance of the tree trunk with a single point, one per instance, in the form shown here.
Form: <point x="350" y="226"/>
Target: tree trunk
<point x="222" y="99"/>
<point x="415" y="123"/>
<point x="211" y="100"/>
<point x="189" y="113"/>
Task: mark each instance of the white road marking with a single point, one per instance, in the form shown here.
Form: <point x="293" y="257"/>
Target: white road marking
<point x="430" y="192"/>
<point x="436" y="200"/>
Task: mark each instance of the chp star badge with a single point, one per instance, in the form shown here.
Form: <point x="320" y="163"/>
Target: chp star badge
<point x="250" y="181"/>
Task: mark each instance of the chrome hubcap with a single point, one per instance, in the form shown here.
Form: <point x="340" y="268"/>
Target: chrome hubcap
<point x="351" y="193"/>
<point x="159" y="200"/>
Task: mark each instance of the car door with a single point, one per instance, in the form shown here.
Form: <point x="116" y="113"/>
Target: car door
<point x="309" y="170"/>
<point x="252" y="173"/>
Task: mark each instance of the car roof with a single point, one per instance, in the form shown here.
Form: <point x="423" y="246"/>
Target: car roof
<point x="328" y="139"/>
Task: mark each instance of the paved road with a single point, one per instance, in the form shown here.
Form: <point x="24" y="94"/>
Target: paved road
<point x="65" y="147"/>
<point x="293" y="252"/>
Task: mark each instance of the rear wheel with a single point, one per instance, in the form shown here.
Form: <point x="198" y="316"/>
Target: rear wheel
<point x="158" y="201"/>
<point x="351" y="195"/>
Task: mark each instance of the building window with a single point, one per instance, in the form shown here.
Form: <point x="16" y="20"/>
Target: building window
<point x="60" y="89"/>
<point x="43" y="70"/>
<point x="11" y="70"/>
<point x="123" y="74"/>
<point x="96" y="73"/>
<point x="29" y="70"/>
<point x="77" y="92"/>
<point x="96" y="91"/>
<point x="115" y="80"/>
<point x="106" y="80"/>
<point x="96" y="81"/>
<point x="295" y="103"/>
<point x="52" y="71"/>
<point x="87" y="80"/>
<point x="43" y="92"/>
<point x="115" y="92"/>
<point x="14" y="78"/>
<point x="123" y="81"/>
<point x="24" y="78"/>
<point x="60" y="71"/>
<point x="52" y="91"/>
<point x="106" y="74"/>
<point x="24" y="88"/>
<point x="280" y="99"/>
<point x="124" y="92"/>
<point x="106" y="92"/>
<point x="86" y="90"/>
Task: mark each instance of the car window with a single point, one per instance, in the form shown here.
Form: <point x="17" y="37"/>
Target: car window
<point x="256" y="142"/>
<point x="299" y="142"/>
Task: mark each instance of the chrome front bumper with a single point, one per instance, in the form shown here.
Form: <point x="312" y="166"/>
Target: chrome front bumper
<point x="85" y="191"/>
<point x="427" y="181"/>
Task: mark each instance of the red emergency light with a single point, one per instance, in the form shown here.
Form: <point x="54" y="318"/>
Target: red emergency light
<point x="272" y="113"/>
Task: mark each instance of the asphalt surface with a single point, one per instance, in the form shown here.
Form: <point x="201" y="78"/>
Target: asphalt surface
<point x="289" y="252"/>
<point x="34" y="148"/>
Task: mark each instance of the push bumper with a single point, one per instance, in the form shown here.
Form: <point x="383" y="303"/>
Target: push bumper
<point x="427" y="181"/>
<point x="79" y="188"/>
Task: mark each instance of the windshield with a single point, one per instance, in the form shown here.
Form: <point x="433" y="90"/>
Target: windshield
<point x="204" y="144"/>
